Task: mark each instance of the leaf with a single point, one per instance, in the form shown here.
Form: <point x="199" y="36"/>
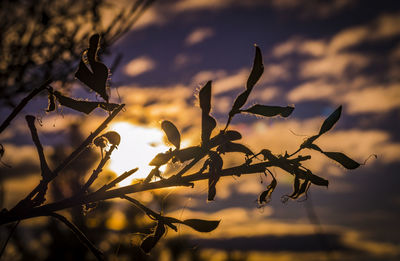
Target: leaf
<point x="341" y="158"/>
<point x="316" y="180"/>
<point x="83" y="106"/>
<point x="97" y="78"/>
<point x="205" y="98"/>
<point x="161" y="159"/>
<point x="151" y="240"/>
<point x="188" y="153"/>
<point x="296" y="187"/>
<point x="265" y="197"/>
<point x="234" y="147"/>
<point x="172" y="133"/>
<point x="239" y="102"/>
<point x="269" y="111"/>
<point x="215" y="166"/>
<point x="202" y="225"/>
<point x="257" y="70"/>
<point x="224" y="137"/>
<point x="208" y="123"/>
<point x="52" y="104"/>
<point x="113" y="137"/>
<point x="331" y="120"/>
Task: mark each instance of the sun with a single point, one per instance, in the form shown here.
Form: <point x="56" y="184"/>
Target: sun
<point x="139" y="145"/>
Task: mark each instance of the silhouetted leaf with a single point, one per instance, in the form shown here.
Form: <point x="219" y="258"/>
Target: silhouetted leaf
<point x="341" y="158"/>
<point x="234" y="147"/>
<point x="315" y="147"/>
<point x="205" y="98"/>
<point x="239" y="102"/>
<point x="208" y="123"/>
<point x="201" y="225"/>
<point x="316" y="179"/>
<point x="304" y="187"/>
<point x="83" y="106"/>
<point x="100" y="142"/>
<point x="97" y="78"/>
<point x="269" y="111"/>
<point x="265" y="197"/>
<point x="52" y="104"/>
<point x="172" y="133"/>
<point x="188" y="153"/>
<point x="113" y="137"/>
<point x="309" y="142"/>
<point x="257" y="70"/>
<point x="296" y="187"/>
<point x="1" y="150"/>
<point x="161" y="159"/>
<point x="224" y="137"/>
<point x="215" y="165"/>
<point x="151" y="240"/>
<point x="330" y="121"/>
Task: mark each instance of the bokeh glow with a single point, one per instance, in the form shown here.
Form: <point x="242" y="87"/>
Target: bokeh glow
<point x="138" y="147"/>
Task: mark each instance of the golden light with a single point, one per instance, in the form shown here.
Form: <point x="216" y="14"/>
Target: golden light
<point x="139" y="145"/>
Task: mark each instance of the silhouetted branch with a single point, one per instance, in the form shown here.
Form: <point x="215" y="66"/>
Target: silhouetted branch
<point x="22" y="104"/>
<point x="80" y="235"/>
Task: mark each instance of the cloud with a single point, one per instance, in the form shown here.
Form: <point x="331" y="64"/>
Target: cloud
<point x="373" y="99"/>
<point x="314" y="90"/>
<point x="333" y="65"/>
<point x="139" y="66"/>
<point x="199" y="35"/>
<point x="318" y="9"/>
<point x="191" y="5"/>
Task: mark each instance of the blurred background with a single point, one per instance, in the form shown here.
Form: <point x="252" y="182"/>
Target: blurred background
<point x="317" y="55"/>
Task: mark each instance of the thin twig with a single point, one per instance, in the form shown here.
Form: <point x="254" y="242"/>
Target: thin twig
<point x="80" y="235"/>
<point x="117" y="180"/>
<point x="22" y="104"/>
<point x="9" y="237"/>
<point x="99" y="169"/>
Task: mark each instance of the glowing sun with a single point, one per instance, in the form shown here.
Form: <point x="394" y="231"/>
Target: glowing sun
<point x="139" y="145"/>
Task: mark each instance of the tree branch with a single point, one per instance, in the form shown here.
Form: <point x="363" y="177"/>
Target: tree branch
<point x="80" y="235"/>
<point x="22" y="104"/>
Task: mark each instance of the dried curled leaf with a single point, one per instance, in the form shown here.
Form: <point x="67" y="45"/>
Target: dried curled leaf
<point x="96" y="79"/>
<point x="52" y="103"/>
<point x="113" y="137"/>
<point x="83" y="106"/>
<point x="270" y="111"/>
<point x="150" y="241"/>
<point x="265" y="197"/>
<point x="172" y="133"/>
<point x="201" y="225"/>
<point x="224" y="137"/>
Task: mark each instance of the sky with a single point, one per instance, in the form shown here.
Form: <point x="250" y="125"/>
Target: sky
<point x="317" y="55"/>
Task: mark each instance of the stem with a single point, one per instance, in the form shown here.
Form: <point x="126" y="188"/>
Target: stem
<point x="22" y="104"/>
<point x="80" y="235"/>
<point x="139" y="187"/>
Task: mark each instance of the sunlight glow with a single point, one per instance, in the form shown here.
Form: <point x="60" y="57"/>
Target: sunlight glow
<point x="139" y="145"/>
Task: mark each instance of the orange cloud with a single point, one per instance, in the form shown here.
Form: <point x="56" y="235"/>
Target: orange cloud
<point x="139" y="66"/>
<point x="199" y="35"/>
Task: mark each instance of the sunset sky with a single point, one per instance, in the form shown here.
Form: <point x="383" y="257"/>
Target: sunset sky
<point x="317" y="55"/>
